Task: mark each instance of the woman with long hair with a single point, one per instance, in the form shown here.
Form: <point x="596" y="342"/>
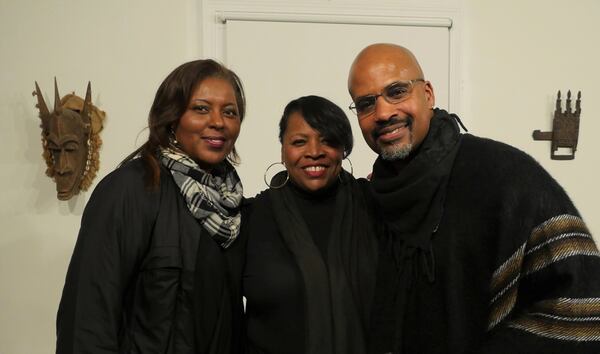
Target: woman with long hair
<point x="156" y="266"/>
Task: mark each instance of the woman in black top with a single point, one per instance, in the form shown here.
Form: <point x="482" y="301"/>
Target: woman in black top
<point x="156" y="268"/>
<point x="311" y="252"/>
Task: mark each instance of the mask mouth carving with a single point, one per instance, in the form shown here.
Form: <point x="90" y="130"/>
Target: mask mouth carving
<point x="70" y="140"/>
<point x="66" y="195"/>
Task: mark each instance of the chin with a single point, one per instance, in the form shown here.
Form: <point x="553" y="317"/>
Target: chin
<point x="399" y="152"/>
<point x="312" y="187"/>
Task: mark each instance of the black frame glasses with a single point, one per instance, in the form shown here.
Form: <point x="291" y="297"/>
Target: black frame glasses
<point x="393" y="93"/>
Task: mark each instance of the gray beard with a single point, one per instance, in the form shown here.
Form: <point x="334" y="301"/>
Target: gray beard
<point x="397" y="152"/>
<point x="391" y="153"/>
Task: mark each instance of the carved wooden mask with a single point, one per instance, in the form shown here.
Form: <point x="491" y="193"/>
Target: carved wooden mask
<point x="70" y="145"/>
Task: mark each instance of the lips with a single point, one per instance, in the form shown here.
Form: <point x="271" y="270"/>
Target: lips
<point x="215" y="141"/>
<point x="392" y="132"/>
<point x="314" y="171"/>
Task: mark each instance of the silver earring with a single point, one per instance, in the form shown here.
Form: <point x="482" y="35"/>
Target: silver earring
<point x="351" y="169"/>
<point x="287" y="176"/>
<point x="173" y="139"/>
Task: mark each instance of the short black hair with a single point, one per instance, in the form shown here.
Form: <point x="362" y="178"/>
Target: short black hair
<point x="324" y="116"/>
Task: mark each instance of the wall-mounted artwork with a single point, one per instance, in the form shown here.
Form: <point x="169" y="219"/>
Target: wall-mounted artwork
<point x="70" y="140"/>
<point x="565" y="129"/>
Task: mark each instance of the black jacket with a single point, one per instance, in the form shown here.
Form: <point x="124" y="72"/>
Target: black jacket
<point x="310" y="270"/>
<point x="145" y="277"/>
<point x="510" y="266"/>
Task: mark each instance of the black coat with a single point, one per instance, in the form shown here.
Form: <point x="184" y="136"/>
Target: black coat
<point x="511" y="266"/>
<point x="145" y="277"/>
<point x="310" y="270"/>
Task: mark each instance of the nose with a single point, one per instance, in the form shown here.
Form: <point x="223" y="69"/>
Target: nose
<point x="216" y="120"/>
<point x="383" y="109"/>
<point x="63" y="165"/>
<point x="314" y="149"/>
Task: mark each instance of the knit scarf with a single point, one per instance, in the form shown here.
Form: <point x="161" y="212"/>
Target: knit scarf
<point x="212" y="198"/>
<point x="411" y="203"/>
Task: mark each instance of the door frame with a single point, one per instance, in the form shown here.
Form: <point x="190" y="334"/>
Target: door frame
<point x="214" y="15"/>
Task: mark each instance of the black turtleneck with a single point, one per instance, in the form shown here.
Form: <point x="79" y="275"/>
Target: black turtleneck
<point x="272" y="281"/>
<point x="317" y="211"/>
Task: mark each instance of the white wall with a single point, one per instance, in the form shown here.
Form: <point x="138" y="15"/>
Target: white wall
<point x="515" y="56"/>
<point x="125" y="48"/>
<point x="293" y="73"/>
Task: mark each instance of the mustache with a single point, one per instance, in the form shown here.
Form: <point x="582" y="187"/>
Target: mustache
<point x="381" y="126"/>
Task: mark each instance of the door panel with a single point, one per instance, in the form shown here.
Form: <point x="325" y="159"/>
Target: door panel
<point x="281" y="61"/>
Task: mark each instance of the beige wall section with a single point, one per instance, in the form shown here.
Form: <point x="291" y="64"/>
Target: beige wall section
<point x="125" y="48"/>
<point x="516" y="56"/>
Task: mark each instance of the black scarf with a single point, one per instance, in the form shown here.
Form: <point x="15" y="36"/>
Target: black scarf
<point x="338" y="292"/>
<point x="412" y="204"/>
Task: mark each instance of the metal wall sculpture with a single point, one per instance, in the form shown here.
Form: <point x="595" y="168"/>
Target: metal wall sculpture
<point x="565" y="128"/>
<point x="70" y="140"/>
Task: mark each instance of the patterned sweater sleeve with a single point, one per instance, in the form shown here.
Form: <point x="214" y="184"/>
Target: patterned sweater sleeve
<point x="545" y="291"/>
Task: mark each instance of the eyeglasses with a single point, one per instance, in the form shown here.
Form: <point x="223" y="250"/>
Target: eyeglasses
<point x="393" y="93"/>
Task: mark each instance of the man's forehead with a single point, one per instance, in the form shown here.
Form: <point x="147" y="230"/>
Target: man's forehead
<point x="373" y="76"/>
<point x="384" y="61"/>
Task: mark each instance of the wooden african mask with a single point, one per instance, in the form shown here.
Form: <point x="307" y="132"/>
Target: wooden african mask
<point x="70" y="140"/>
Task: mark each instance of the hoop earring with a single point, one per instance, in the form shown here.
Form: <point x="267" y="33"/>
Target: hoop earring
<point x="351" y="167"/>
<point x="287" y="176"/>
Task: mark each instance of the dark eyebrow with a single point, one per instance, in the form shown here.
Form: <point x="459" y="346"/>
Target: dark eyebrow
<point x="205" y="101"/>
<point x="398" y="83"/>
<point x="384" y="88"/>
<point x="299" y="135"/>
<point x="365" y="96"/>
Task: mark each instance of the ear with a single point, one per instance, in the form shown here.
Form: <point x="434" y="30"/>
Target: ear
<point x="282" y="161"/>
<point x="429" y="94"/>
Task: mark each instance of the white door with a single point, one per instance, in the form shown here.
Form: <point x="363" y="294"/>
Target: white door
<point x="280" y="61"/>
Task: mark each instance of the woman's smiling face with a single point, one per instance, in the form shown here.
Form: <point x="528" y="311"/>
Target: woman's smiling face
<point x="311" y="161"/>
<point x="208" y="129"/>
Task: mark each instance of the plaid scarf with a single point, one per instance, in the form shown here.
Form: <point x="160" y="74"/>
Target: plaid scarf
<point x="213" y="199"/>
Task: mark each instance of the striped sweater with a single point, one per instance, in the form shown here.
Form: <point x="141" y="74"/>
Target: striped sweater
<point x="516" y="269"/>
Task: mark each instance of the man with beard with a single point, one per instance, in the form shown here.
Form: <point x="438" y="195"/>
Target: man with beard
<point x="481" y="251"/>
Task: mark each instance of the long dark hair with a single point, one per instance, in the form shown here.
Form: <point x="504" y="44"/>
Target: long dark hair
<point x="170" y="103"/>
